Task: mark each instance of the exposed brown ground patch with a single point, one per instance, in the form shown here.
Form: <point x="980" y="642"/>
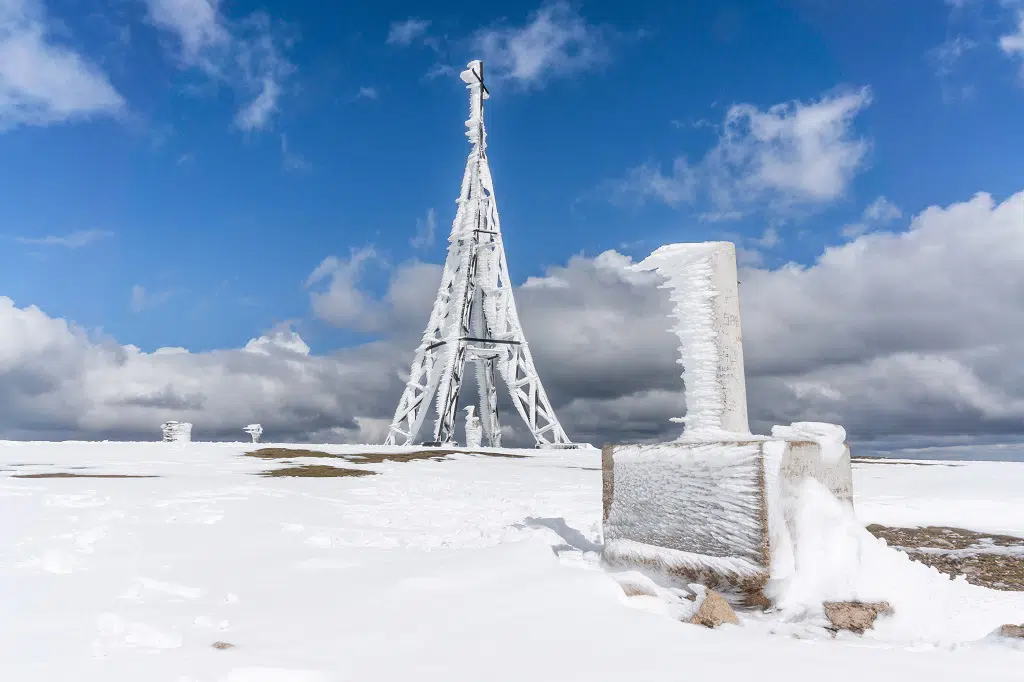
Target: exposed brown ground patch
<point x="985" y="559"/>
<point x="435" y="454"/>
<point x="315" y="471"/>
<point x="67" y="474"/>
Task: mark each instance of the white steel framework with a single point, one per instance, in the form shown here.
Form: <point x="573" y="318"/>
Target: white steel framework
<point x="474" y="317"/>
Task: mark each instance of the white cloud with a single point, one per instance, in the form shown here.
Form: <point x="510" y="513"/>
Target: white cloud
<point x="367" y="92"/>
<point x="144" y="300"/>
<point x="878" y="213"/>
<point x="438" y="70"/>
<point x="343" y="303"/>
<point x="60" y="382"/>
<point x="795" y="153"/>
<point x="647" y="182"/>
<point x="281" y="339"/>
<point x="75" y="240"/>
<point x="404" y="33"/>
<point x="1013" y="43"/>
<point x="41" y="82"/>
<point x="199" y="26"/>
<point x="867" y="336"/>
<point x="791" y="153"/>
<point x="256" y="114"/>
<point x="555" y="42"/>
<point x="426" y="229"/>
<point x="247" y="55"/>
<point x="769" y="239"/>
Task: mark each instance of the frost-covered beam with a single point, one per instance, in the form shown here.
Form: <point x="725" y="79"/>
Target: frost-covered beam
<point x="704" y="290"/>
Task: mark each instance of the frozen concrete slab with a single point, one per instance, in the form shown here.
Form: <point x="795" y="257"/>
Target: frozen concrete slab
<point x="710" y="512"/>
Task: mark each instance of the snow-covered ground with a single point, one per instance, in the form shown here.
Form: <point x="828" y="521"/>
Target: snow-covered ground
<point x="430" y="570"/>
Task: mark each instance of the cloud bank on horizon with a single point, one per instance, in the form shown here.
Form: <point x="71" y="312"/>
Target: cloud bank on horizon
<point x="892" y="334"/>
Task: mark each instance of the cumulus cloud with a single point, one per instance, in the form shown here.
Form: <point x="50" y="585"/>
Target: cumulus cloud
<point x="792" y="154"/>
<point x="343" y="303"/>
<point x="60" y="382"/>
<point x="43" y="82"/>
<point x="338" y="295"/>
<point x="908" y="338"/>
<point x="556" y="41"/>
<point x="247" y="54"/>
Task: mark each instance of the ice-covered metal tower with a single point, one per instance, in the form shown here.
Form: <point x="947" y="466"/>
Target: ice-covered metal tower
<point x="474" y="317"/>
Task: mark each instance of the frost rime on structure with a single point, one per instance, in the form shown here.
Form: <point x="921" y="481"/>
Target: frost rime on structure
<point x="474" y="317"/>
<point x="177" y="432"/>
<point x="474" y="429"/>
<point x="255" y="431"/>
<point x="710" y="521"/>
<point x="703" y="284"/>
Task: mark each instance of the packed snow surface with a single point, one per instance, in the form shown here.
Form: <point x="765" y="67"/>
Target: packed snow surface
<point x="472" y="568"/>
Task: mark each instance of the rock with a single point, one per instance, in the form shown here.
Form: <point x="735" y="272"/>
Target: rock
<point x="714" y="611"/>
<point x="853" y="615"/>
<point x="223" y="645"/>
<point x="1014" y="631"/>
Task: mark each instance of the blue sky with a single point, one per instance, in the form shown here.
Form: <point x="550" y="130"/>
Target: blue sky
<point x="198" y="173"/>
<point x="221" y="225"/>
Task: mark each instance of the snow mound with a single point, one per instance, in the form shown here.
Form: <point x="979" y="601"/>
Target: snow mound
<point x="834" y="558"/>
<point x="831" y="437"/>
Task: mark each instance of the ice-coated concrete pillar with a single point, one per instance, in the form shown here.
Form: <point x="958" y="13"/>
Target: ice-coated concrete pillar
<point x="703" y="285"/>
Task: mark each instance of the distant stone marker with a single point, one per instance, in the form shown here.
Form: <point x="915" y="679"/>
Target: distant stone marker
<point x="177" y="432"/>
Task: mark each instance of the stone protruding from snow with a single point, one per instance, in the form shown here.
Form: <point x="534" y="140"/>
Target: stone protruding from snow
<point x="813" y="450"/>
<point x="255" y="431"/>
<point x="177" y="432"/>
<point x="704" y="289"/>
<point x="1011" y="631"/>
<point x="713" y="611"/>
<point x="854" y="616"/>
<point x="720" y="512"/>
<point x="474" y="428"/>
<point x="693" y="512"/>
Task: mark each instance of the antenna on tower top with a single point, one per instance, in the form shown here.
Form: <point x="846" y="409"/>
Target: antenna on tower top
<point x="475" y="74"/>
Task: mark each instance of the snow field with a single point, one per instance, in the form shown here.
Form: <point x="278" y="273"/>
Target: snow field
<point x="429" y="571"/>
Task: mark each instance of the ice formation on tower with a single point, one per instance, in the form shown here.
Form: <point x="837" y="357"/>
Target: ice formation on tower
<point x="474" y="318"/>
<point x="177" y="432"/>
<point x="474" y="429"/>
<point x="254" y="430"/>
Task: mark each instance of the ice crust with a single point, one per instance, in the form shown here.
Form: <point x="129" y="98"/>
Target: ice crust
<point x="706" y="311"/>
<point x="698" y="502"/>
<point x="831" y="437"/>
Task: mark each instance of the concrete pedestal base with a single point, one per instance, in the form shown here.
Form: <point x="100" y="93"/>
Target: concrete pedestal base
<point x="709" y="512"/>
